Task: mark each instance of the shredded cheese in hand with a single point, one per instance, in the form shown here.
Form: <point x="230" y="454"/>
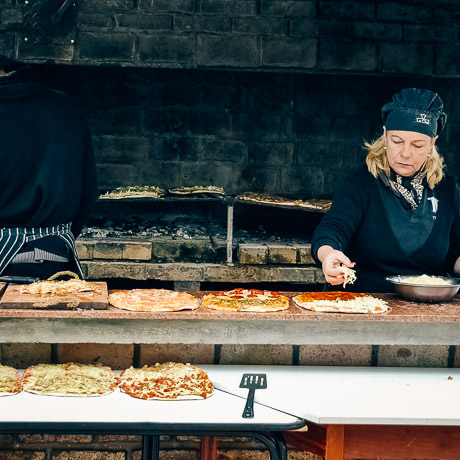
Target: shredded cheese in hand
<point x="349" y="275"/>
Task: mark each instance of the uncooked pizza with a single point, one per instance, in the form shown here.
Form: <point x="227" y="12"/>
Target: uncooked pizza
<point x="10" y="380"/>
<point x="340" y="302"/>
<point x="152" y="300"/>
<point x="69" y="379"/>
<point x="240" y="299"/>
<point x="166" y="381"/>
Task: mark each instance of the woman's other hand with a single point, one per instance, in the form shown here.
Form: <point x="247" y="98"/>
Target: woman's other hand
<point x="332" y="260"/>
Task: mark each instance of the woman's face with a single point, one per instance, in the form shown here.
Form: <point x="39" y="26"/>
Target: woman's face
<point x="407" y="150"/>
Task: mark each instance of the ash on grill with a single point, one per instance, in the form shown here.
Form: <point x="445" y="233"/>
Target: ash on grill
<point x="111" y="229"/>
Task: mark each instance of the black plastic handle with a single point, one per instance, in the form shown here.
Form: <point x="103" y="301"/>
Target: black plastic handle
<point x="248" y="411"/>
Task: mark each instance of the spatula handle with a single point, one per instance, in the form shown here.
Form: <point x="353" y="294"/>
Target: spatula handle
<point x="248" y="411"/>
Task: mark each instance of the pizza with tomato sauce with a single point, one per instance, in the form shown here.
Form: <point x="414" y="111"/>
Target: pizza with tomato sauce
<point x="340" y="302"/>
<point x="239" y="299"/>
<point x="170" y="381"/>
<point x="153" y="300"/>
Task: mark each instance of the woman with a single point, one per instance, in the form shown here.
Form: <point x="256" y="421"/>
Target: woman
<point x="399" y="214"/>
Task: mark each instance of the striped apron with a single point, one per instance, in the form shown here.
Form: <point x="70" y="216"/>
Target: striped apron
<point x="12" y="239"/>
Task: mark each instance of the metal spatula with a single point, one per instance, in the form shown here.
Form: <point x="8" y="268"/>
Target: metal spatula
<point x="253" y="382"/>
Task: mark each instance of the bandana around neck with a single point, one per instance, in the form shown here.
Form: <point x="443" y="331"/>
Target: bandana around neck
<point x="411" y="189"/>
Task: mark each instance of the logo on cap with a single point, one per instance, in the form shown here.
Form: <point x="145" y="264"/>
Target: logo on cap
<point x="423" y="119"/>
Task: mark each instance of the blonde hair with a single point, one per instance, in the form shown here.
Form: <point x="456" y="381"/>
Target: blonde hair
<point x="376" y="161"/>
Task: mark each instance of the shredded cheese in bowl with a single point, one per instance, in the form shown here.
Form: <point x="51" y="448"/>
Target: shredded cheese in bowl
<point x="425" y="280"/>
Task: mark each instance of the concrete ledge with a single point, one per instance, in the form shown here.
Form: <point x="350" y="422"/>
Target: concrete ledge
<point x="199" y="272"/>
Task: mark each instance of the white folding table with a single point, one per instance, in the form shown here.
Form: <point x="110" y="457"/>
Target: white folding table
<point x="117" y="413"/>
<point x="362" y="412"/>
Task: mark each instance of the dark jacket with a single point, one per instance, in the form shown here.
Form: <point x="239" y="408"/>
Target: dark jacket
<point x="375" y="229"/>
<point x="47" y="173"/>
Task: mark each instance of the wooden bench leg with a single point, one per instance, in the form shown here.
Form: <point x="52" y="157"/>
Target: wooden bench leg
<point x="334" y="442"/>
<point x="208" y="448"/>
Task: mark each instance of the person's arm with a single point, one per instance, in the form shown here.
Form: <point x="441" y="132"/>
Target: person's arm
<point x="453" y="258"/>
<point x="457" y="267"/>
<point x="89" y="186"/>
<point x="332" y="236"/>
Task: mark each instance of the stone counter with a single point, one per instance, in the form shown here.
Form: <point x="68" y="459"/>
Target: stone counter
<point x="407" y="323"/>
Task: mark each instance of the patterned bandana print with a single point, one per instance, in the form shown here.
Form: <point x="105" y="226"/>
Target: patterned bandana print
<point x="416" y="183"/>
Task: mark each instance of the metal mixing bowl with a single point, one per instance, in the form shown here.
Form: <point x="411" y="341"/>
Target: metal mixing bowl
<point x="425" y="292"/>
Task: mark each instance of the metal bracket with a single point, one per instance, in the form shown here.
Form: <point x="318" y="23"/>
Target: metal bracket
<point x="42" y="18"/>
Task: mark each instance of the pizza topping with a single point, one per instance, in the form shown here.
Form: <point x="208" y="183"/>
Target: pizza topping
<point x="349" y="275"/>
<point x="166" y="381"/>
<point x="10" y="380"/>
<point x="152" y="300"/>
<point x="69" y="379"/>
<point x="241" y="299"/>
<point x="338" y="301"/>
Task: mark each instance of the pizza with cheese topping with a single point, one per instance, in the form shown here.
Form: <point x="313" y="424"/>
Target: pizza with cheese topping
<point x="10" y="380"/>
<point x="240" y="299"/>
<point x="153" y="300"/>
<point x="170" y="381"/>
<point x="340" y="302"/>
<point x="69" y="379"/>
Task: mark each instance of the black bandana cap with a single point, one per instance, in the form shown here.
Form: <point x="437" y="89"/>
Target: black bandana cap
<point x="414" y="109"/>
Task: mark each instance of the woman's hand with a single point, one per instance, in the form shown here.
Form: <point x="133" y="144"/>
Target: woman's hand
<point x="332" y="260"/>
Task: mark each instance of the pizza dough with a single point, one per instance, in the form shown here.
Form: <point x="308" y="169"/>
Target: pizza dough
<point x="152" y="300"/>
<point x="167" y="381"/>
<point x="69" y="379"/>
<point x="253" y="300"/>
<point x="340" y="302"/>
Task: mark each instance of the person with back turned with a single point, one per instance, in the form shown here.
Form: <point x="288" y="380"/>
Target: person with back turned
<point x="47" y="176"/>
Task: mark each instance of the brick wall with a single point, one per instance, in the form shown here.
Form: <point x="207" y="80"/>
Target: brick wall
<point x="279" y="133"/>
<point x="298" y="35"/>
